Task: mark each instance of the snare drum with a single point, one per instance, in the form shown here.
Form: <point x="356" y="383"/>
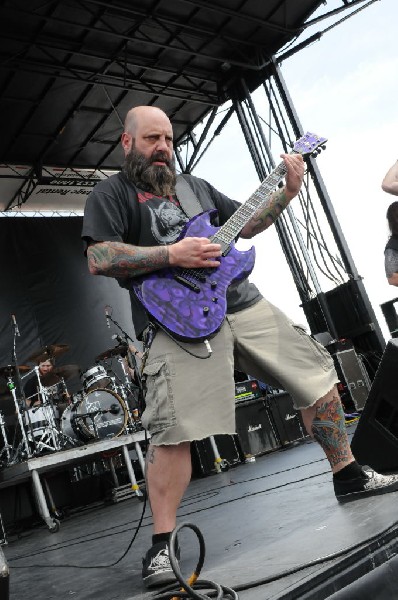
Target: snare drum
<point x="94" y="378"/>
<point x="100" y="414"/>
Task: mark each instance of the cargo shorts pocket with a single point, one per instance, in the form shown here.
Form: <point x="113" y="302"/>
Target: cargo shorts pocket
<point x="320" y="354"/>
<point x="159" y="413"/>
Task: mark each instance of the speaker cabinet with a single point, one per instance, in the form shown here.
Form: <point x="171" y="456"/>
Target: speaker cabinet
<point x="254" y="427"/>
<point x="352" y="372"/>
<point x="375" y="441"/>
<point x="202" y="453"/>
<point x="287" y="420"/>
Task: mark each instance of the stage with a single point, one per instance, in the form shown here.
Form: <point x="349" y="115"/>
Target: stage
<point x="260" y="521"/>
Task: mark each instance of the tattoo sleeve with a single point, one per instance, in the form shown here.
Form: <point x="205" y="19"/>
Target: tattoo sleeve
<point x="328" y="428"/>
<point x="115" y="259"/>
<point x="269" y="212"/>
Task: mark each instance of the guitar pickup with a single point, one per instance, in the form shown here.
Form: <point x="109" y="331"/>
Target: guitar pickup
<point x="189" y="284"/>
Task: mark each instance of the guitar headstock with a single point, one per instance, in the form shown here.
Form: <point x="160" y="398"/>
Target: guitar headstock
<point x="310" y="143"/>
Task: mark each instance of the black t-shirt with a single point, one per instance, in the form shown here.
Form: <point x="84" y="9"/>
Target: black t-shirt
<point x="118" y="211"/>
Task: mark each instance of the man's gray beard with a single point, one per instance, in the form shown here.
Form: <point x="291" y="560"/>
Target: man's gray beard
<point x="160" y="180"/>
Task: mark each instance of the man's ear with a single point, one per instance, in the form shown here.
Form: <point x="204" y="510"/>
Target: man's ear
<point x="126" y="140"/>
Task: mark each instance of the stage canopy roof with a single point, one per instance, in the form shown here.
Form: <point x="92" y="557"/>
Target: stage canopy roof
<point x="70" y="70"/>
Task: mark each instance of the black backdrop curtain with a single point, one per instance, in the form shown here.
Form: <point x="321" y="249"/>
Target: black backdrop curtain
<point x="45" y="283"/>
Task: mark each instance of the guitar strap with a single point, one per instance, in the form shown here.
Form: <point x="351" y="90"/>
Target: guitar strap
<point x="187" y="198"/>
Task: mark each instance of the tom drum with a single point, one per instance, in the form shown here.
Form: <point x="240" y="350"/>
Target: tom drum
<point x="96" y="377"/>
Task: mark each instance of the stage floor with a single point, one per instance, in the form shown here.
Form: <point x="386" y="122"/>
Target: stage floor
<point x="259" y="520"/>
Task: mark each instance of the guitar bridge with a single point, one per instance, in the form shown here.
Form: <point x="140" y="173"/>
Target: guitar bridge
<point x="189" y="284"/>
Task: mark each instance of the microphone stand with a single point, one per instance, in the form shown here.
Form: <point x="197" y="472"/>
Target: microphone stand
<point x="132" y="362"/>
<point x="16" y="390"/>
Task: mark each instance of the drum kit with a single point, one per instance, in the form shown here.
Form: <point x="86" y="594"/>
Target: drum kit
<point x="52" y="418"/>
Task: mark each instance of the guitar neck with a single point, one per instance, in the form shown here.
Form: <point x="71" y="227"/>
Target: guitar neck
<point x="231" y="229"/>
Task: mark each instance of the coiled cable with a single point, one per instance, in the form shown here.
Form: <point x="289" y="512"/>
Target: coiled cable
<point x="190" y="588"/>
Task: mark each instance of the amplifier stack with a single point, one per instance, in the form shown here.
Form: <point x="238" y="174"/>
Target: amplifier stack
<point x="264" y="423"/>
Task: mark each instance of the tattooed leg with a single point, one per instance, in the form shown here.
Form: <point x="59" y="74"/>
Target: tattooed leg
<point x="326" y="424"/>
<point x="168" y="472"/>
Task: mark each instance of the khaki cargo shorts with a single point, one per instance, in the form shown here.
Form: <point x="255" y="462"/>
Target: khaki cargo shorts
<point x="191" y="394"/>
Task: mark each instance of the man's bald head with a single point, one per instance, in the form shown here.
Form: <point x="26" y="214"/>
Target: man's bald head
<point x="148" y="147"/>
<point x="144" y="115"/>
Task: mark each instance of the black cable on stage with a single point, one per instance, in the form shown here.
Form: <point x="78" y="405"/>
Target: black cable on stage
<point x="191" y="587"/>
<point x="69" y="566"/>
<point x="209" y="493"/>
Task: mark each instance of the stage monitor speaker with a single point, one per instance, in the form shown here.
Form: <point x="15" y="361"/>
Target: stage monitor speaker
<point x="203" y="458"/>
<point x="254" y="428"/>
<point x="375" y="441"/>
<point x="287" y="419"/>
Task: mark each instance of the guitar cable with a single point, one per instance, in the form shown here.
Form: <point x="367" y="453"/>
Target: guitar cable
<point x="206" y="343"/>
<point x="191" y="587"/>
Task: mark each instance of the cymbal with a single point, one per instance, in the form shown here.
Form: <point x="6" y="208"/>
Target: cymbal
<point x="58" y="373"/>
<point x="9" y="370"/>
<point x="47" y="352"/>
<point x="119" y="350"/>
<point x="68" y="371"/>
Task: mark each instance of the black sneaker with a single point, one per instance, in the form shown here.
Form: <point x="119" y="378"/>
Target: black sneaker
<point x="156" y="567"/>
<point x="369" y="483"/>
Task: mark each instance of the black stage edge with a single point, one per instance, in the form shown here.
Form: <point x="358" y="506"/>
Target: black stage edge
<point x="272" y="529"/>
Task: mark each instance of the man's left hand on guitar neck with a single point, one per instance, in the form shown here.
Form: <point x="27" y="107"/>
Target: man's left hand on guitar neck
<point x="279" y="199"/>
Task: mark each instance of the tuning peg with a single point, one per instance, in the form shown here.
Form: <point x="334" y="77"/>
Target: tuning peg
<point x="323" y="146"/>
<point x="314" y="154"/>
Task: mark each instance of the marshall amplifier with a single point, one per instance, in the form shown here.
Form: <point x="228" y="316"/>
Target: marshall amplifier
<point x="247" y="390"/>
<point x="254" y="428"/>
<point x="286" y="419"/>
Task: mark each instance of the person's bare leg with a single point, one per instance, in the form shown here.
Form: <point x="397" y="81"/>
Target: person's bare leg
<point x="325" y="422"/>
<point x="168" y="473"/>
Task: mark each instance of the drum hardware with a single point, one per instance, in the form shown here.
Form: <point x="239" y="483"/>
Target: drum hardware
<point x="133" y="422"/>
<point x="23" y="449"/>
<point x="7" y="447"/>
<point x="43" y="430"/>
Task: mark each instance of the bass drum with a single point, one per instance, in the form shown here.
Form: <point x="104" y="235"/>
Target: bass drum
<point x="98" y="415"/>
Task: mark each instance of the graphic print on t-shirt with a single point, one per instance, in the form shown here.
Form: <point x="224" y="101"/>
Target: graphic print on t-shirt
<point x="166" y="217"/>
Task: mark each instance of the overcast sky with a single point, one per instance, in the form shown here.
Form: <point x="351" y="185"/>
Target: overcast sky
<point x="344" y="87"/>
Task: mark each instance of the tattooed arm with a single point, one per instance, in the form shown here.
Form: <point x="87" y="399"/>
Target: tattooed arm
<point x="390" y="181"/>
<point x="279" y="199"/>
<point x="116" y="259"/>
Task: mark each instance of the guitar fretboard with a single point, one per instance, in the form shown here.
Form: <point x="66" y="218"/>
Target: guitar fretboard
<point x="229" y="231"/>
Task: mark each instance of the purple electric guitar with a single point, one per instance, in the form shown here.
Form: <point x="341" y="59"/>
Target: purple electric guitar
<point x="191" y="303"/>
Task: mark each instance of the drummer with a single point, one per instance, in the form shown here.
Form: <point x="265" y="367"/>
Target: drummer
<point x="31" y="387"/>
